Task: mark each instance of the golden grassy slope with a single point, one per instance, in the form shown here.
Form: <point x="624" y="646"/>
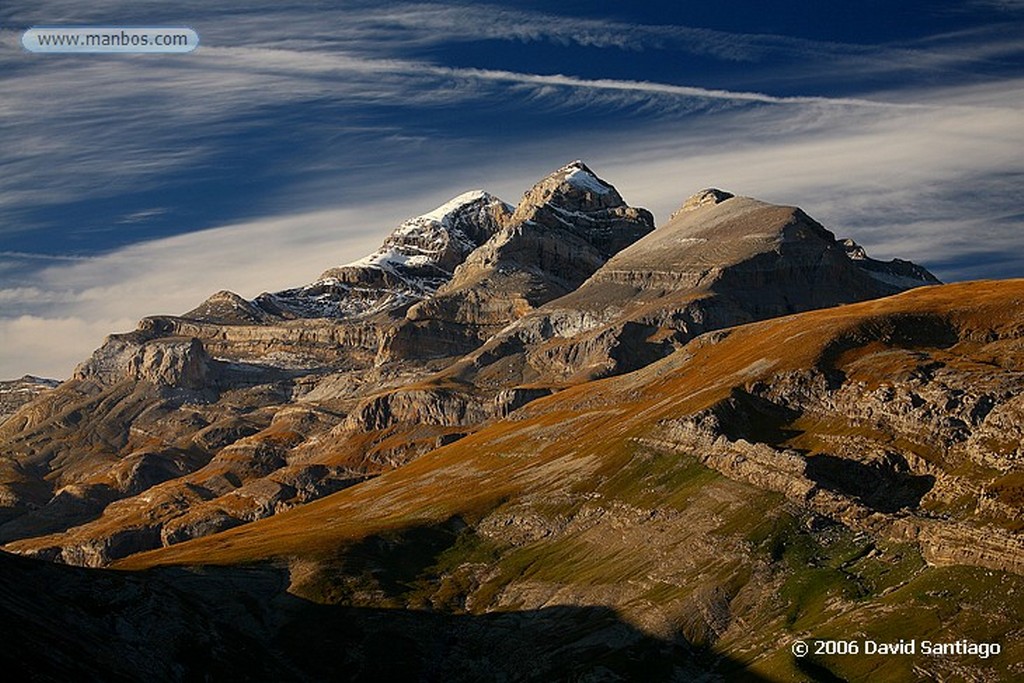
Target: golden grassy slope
<point x="581" y="433"/>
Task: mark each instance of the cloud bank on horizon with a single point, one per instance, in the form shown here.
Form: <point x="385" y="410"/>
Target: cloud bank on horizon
<point x="294" y="138"/>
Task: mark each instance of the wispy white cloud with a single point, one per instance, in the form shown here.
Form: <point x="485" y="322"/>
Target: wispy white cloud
<point x="938" y="185"/>
<point x="54" y="320"/>
<point x="89" y="130"/>
<point x="647" y="87"/>
<point x="106" y="133"/>
<point x="41" y="257"/>
<point x="880" y="177"/>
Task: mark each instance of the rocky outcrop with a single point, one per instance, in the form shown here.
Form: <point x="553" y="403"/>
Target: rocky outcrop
<point x="16" y="393"/>
<point x="417" y="406"/>
<point x="164" y="361"/>
<point x="945" y="543"/>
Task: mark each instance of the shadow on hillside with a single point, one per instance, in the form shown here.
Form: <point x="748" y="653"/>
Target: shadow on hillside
<point x="882" y="486"/>
<point x="66" y="623"/>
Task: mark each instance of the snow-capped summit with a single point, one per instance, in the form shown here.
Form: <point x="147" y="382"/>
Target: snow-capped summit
<point x="578" y="175"/>
<point x="433" y="244"/>
<point x="454" y="206"/>
<point x="574" y="189"/>
<point x="417" y="257"/>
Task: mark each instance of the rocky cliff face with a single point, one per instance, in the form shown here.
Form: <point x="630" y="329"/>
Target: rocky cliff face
<point x="138" y="357"/>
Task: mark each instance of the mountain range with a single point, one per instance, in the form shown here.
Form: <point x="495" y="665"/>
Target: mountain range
<point x="542" y="441"/>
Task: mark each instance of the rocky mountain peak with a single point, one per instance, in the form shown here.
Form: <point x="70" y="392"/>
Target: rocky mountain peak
<point x="572" y="188"/>
<point x="708" y="197"/>
<point x="576" y="200"/>
<point x="417" y="258"/>
<point x="453" y="229"/>
<point x="226" y="307"/>
<point x="564" y="229"/>
<point x="438" y="240"/>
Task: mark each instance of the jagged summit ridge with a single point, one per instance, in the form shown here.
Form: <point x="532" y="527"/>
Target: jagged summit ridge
<point x="421" y="256"/>
<point x="439" y="239"/>
<point x="575" y="200"/>
<point x="417" y="258"/>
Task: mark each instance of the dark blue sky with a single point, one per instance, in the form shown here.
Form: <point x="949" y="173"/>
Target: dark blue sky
<point x="895" y="122"/>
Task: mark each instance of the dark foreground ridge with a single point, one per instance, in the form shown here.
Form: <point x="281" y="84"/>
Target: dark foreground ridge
<point x="64" y="623"/>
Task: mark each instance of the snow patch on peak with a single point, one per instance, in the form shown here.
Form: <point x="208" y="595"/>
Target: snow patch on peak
<point x="853" y="250"/>
<point x="450" y="207"/>
<point x="579" y="176"/>
<point x="388" y="258"/>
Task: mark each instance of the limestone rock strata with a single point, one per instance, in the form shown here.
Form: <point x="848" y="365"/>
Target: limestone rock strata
<point x="899" y="430"/>
<point x="18" y="392"/>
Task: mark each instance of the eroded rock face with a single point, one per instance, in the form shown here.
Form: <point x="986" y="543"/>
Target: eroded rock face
<point x="18" y="392"/>
<point x="174" y="362"/>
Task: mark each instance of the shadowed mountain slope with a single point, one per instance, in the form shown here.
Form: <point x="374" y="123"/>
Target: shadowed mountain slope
<point x="62" y="623"/>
